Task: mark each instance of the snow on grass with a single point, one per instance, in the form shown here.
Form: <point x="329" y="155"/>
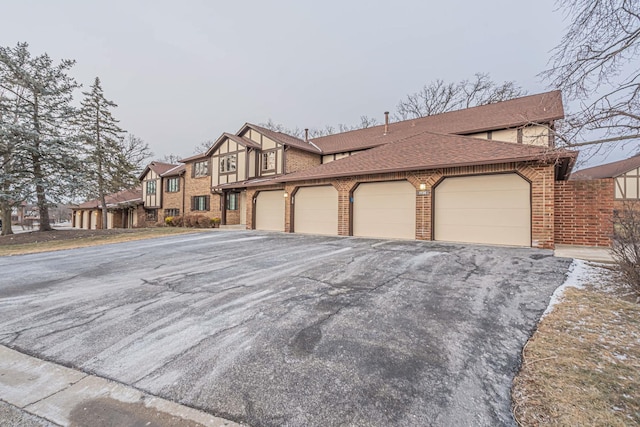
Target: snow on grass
<point x="580" y="273"/>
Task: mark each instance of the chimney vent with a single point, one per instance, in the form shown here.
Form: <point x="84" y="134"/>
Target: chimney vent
<point x="306" y="135"/>
<point x="386" y="122"/>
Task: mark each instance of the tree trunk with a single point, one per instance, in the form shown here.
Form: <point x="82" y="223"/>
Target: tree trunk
<point x="5" y="210"/>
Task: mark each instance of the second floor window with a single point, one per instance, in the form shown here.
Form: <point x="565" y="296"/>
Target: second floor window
<point x="173" y="185"/>
<point x="151" y="187"/>
<point x="228" y="163"/>
<point x="269" y="161"/>
<point x="201" y="168"/>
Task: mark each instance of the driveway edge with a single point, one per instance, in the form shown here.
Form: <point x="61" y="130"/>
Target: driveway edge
<point x="54" y="392"/>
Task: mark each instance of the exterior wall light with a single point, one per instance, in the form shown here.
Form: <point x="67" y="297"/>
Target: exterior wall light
<point x="423" y="186"/>
<point x="286" y="194"/>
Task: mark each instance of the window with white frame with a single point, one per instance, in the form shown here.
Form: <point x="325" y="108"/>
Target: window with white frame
<point x="269" y="161"/>
<point x="228" y="163"/>
<point x="173" y="185"/>
<point x="151" y="187"/>
<point x="200" y="203"/>
<point x="201" y="168"/>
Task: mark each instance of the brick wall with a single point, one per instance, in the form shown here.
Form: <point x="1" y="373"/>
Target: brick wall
<point x="173" y="200"/>
<point x="584" y="212"/>
<point x="542" y="197"/>
<point x="200" y="187"/>
<point x="298" y="160"/>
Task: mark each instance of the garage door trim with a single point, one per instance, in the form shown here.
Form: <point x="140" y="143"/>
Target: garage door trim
<point x="254" y="201"/>
<point x="292" y="201"/>
<point x="353" y="190"/>
<point x="433" y="196"/>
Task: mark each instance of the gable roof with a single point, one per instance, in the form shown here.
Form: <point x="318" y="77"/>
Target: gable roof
<point x="608" y="170"/>
<point x="282" y="138"/>
<point x="239" y="139"/>
<point x="539" y="108"/>
<point x="179" y="169"/>
<point x="124" y="197"/>
<point x="157" y="167"/>
<point x="429" y="150"/>
<point x="193" y="158"/>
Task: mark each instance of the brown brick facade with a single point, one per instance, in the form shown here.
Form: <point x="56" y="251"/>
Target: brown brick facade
<point x="542" y="197"/>
<point x="584" y="212"/>
<point x="173" y="200"/>
<point x="298" y="160"/>
<point x="199" y="187"/>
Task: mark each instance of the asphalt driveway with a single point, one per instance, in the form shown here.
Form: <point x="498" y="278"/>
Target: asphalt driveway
<point x="282" y="329"/>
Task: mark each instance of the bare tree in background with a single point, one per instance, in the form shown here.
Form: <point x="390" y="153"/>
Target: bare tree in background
<point x="365" y="122"/>
<point x="203" y="147"/>
<point x="596" y="63"/>
<point x="170" y="158"/>
<point x="439" y="96"/>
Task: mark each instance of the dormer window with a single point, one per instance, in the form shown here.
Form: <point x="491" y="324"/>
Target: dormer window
<point x="228" y="163"/>
<point x="269" y="161"/>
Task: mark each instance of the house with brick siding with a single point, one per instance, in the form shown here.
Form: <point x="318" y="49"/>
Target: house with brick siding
<point x="152" y="189"/>
<point x="174" y="201"/>
<point x="587" y="203"/>
<point x="480" y="175"/>
<point x="489" y="174"/>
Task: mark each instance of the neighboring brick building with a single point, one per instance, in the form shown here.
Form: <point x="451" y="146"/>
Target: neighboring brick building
<point x="125" y="210"/>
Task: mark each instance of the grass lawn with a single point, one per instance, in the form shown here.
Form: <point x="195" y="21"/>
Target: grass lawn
<point x="28" y="243"/>
<point x="582" y="365"/>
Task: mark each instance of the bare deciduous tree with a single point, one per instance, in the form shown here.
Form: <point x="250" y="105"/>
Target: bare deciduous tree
<point x="625" y="245"/>
<point x="439" y="97"/>
<point x="203" y="147"/>
<point x="596" y="64"/>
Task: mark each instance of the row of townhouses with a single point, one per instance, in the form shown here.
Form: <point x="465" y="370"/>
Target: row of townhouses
<point x="489" y="174"/>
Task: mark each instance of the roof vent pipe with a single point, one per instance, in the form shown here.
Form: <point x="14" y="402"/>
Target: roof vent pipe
<point x="386" y="122"/>
<point x="306" y="135"/>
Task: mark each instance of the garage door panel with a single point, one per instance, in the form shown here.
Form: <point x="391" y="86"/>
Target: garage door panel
<point x="493" y="209"/>
<point x="316" y="210"/>
<point x="270" y="210"/>
<point x="385" y="209"/>
<point x="483" y="199"/>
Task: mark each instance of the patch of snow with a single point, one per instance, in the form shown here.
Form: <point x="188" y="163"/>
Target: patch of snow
<point x="580" y="272"/>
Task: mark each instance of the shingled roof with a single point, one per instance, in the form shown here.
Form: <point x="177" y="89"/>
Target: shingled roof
<point x="608" y="170"/>
<point x="284" y="138"/>
<point x="177" y="170"/>
<point x="539" y="108"/>
<point x="132" y="196"/>
<point x="429" y="150"/>
<point x="157" y="167"/>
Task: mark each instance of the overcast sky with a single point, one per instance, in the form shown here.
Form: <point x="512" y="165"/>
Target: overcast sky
<point x="183" y="72"/>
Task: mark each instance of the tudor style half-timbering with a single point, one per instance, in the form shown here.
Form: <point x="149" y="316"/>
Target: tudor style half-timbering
<point x="152" y="183"/>
<point x="253" y="153"/>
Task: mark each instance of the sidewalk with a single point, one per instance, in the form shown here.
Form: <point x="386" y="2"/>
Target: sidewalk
<point x="65" y="396"/>
<point x="587" y="253"/>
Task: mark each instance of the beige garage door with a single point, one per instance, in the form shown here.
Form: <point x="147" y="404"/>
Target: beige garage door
<point x="385" y="209"/>
<point x="493" y="209"/>
<point x="270" y="210"/>
<point x="316" y="210"/>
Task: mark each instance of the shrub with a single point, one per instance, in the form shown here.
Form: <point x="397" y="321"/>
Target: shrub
<point x="625" y="245"/>
<point x="190" y="221"/>
<point x="203" y="221"/>
<point x="169" y="221"/>
<point x="177" y="221"/>
<point x="215" y="222"/>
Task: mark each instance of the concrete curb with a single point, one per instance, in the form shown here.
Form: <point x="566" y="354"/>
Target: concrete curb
<point x="64" y="396"/>
<point x="587" y="253"/>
